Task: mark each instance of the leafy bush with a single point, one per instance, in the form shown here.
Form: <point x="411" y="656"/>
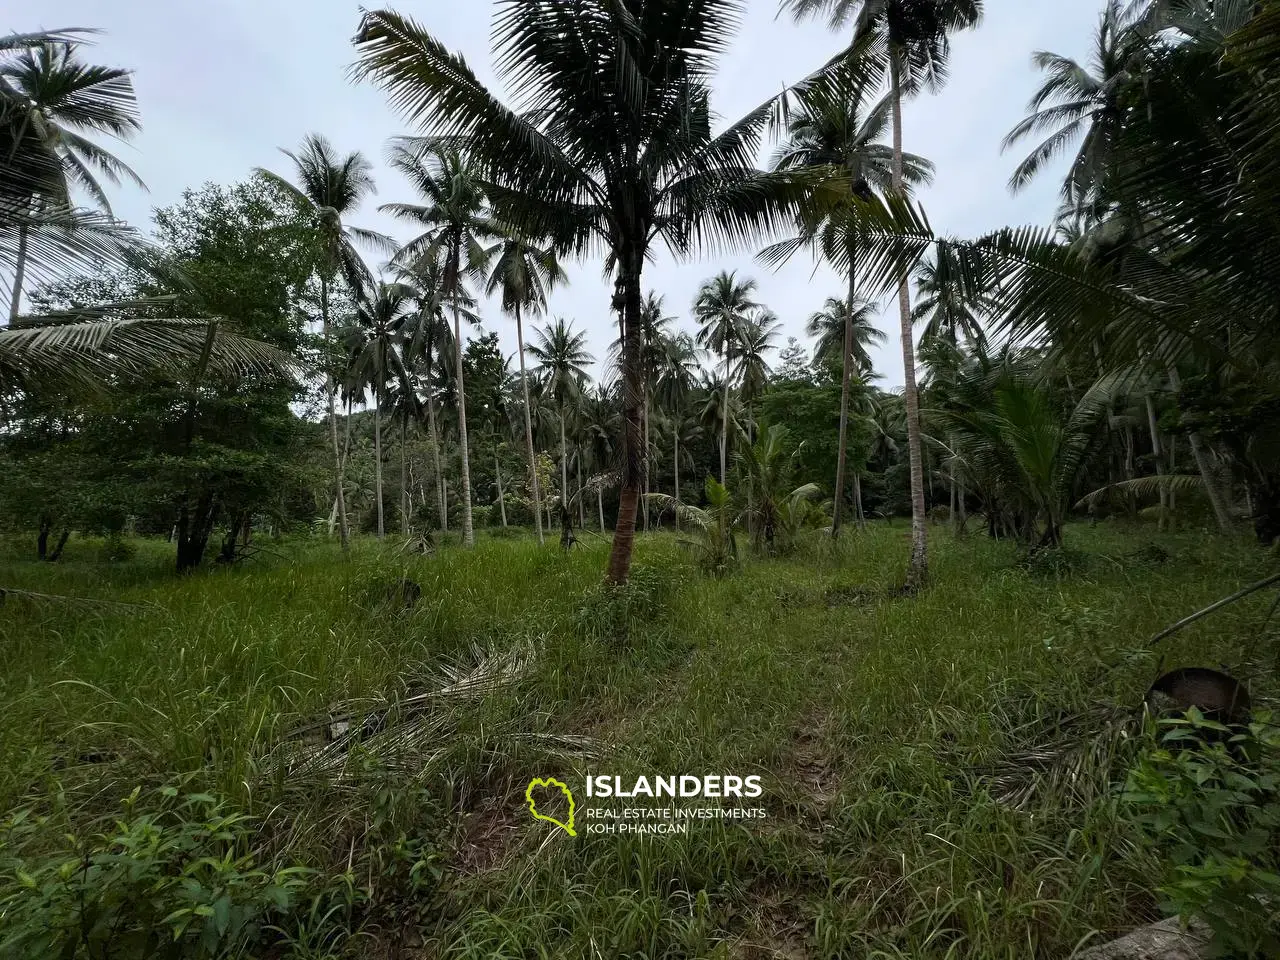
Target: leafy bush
<point x="1207" y="798"/>
<point x="116" y="549"/>
<point x="177" y="881"/>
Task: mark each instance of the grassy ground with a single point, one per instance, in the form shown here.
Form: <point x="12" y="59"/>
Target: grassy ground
<point x="896" y="738"/>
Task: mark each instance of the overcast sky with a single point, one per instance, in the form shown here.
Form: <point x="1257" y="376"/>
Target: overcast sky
<point x="223" y="84"/>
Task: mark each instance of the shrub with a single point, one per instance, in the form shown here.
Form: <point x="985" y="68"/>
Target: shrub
<point x="116" y="549"/>
<point x="613" y="612"/>
<point x="1207" y="798"/>
<point x="178" y="881"/>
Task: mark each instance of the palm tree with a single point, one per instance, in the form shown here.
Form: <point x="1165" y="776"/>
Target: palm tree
<point x="948" y="311"/>
<point x="455" y="222"/>
<point x="722" y="304"/>
<point x="525" y="275"/>
<point x="757" y="336"/>
<point x="329" y="188"/>
<point x="829" y="325"/>
<point x="830" y="129"/>
<point x="562" y="358"/>
<point x="677" y="377"/>
<point x="52" y="102"/>
<point x="1081" y="102"/>
<point x="614" y="152"/>
<point x="655" y="328"/>
<point x="374" y="342"/>
<point x="917" y="33"/>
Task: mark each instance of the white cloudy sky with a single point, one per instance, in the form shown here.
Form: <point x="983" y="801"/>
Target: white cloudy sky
<point x="223" y="84"/>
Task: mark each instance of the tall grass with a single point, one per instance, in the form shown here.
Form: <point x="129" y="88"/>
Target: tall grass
<point x="884" y="729"/>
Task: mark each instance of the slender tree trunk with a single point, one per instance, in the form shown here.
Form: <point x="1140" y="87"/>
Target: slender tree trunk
<point x="528" y="430"/>
<point x="19" y="273"/>
<point x="497" y="471"/>
<point x="600" y="505"/>
<point x="435" y="456"/>
<point x="847" y="371"/>
<point x="724" y="429"/>
<point x="677" y="465"/>
<point x="918" y="566"/>
<point x="377" y="453"/>
<point x="404" y="479"/>
<point x="1158" y="455"/>
<point x="331" y="391"/>
<point x="468" y="531"/>
<point x="564" y="465"/>
<point x="858" y="512"/>
<point x="645" y="501"/>
<point x="627" y="302"/>
<point x="1216" y="500"/>
<point x="582" y="505"/>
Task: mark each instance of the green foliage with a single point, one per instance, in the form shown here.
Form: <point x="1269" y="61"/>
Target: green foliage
<point x="172" y="875"/>
<point x="621" y="613"/>
<point x="1207" y="798"/>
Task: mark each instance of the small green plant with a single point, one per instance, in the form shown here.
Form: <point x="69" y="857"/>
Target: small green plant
<point x="614" y="612"/>
<point x="117" y="549"/>
<point x="1207" y="798"/>
<point x="714" y="541"/>
<point x="177" y="881"/>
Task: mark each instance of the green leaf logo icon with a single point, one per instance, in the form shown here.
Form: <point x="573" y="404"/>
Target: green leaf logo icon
<point x="533" y="804"/>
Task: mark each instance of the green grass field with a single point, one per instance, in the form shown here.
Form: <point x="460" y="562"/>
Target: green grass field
<point x="937" y="770"/>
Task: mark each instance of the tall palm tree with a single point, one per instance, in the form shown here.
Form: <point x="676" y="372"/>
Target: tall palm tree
<point x="614" y="151"/>
<point x="655" y="327"/>
<point x="722" y="304"/>
<point x="917" y="33"/>
<point x="330" y="187"/>
<point x="1081" y="102"/>
<point x="524" y="274"/>
<point x="428" y="336"/>
<point x="832" y="128"/>
<point x="829" y="326"/>
<point x="374" y="342"/>
<point x="52" y="102"/>
<point x="948" y="311"/>
<point x="677" y="378"/>
<point x="455" y="222"/>
<point x="757" y="337"/>
<point x="562" y="358"/>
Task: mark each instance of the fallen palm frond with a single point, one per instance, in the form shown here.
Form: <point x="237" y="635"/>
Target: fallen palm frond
<point x="418" y="733"/>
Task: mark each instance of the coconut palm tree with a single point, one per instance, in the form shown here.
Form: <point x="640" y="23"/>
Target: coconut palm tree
<point x="757" y="337"/>
<point x="829" y="326"/>
<point x="948" y="311"/>
<point x="329" y="188"/>
<point x="677" y="378"/>
<point x="610" y="147"/>
<point x="1081" y="102"/>
<point x="455" y="221"/>
<point x="832" y="128"/>
<point x="562" y="358"/>
<point x="722" y="304"/>
<point x="917" y="34"/>
<point x="655" y="328"/>
<point x="52" y="103"/>
<point x="374" y="342"/>
<point x="524" y="274"/>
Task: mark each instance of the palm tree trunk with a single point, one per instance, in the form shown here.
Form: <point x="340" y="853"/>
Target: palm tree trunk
<point x="497" y="470"/>
<point x="435" y="456"/>
<point x="528" y="430"/>
<point x="1216" y="500"/>
<point x="331" y="392"/>
<point x="677" y="464"/>
<point x="858" y="512"/>
<point x="582" y="510"/>
<point x="724" y="428"/>
<point x="19" y="273"/>
<point x="1157" y="453"/>
<point x="844" y="409"/>
<point x="404" y="479"/>
<point x="627" y="302"/>
<point x="645" y="501"/>
<point x="918" y="566"/>
<point x="600" y="504"/>
<point x="377" y="453"/>
<point x="564" y="466"/>
<point x="468" y="531"/>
